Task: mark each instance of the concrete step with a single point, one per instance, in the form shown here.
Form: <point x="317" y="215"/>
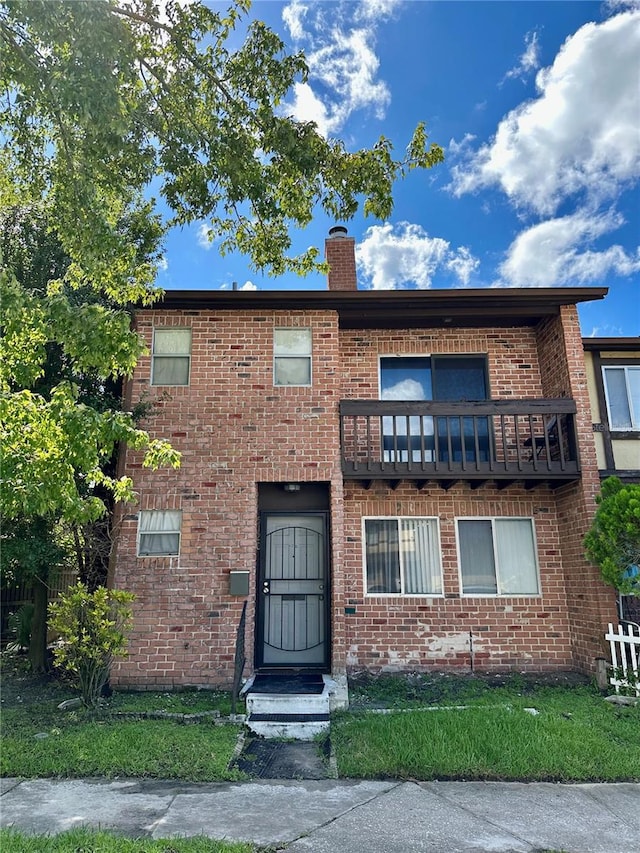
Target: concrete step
<point x="293" y="726"/>
<point x="275" y="703"/>
<point x="300" y="716"/>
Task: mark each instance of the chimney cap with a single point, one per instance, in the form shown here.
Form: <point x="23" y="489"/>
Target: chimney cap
<point x="338" y="231"/>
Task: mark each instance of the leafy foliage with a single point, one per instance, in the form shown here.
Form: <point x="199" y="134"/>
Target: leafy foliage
<point x="102" y="104"/>
<point x="60" y="351"/>
<point x="92" y="119"/>
<point x="19" y="624"/>
<point x="613" y="542"/>
<point x="91" y="626"/>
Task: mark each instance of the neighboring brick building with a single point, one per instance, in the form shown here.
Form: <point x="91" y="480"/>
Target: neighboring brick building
<point x="391" y="480"/>
<point x="613" y="377"/>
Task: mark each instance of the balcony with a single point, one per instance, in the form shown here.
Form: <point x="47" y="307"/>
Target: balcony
<point x="504" y="441"/>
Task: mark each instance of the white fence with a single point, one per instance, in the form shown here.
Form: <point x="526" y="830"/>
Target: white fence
<point x="625" y="657"/>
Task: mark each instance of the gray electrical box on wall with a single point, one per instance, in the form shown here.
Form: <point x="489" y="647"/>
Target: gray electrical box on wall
<point x="239" y="583"/>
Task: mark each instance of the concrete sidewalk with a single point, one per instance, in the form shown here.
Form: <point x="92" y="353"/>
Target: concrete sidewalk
<point x="347" y="816"/>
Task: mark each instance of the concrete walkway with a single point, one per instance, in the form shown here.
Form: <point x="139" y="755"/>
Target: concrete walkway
<point x="347" y="816"/>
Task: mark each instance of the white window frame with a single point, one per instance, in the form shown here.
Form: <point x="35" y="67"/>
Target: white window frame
<point x="175" y="530"/>
<point x="402" y="593"/>
<point x="635" y="416"/>
<point x="185" y="355"/>
<point x="498" y="593"/>
<point x="279" y="356"/>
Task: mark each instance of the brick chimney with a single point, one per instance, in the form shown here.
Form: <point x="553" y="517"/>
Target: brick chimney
<point x="340" y="254"/>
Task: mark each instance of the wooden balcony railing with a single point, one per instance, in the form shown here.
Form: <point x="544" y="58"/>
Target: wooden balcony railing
<point x="502" y="440"/>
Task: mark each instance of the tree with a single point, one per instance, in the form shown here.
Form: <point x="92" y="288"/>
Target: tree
<point x="613" y="542"/>
<point x="102" y="103"/>
<point x="30" y="551"/>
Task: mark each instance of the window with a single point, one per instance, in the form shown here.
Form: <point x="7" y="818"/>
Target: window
<point x="171" y="358"/>
<point x="159" y="533"/>
<point x="292" y="357"/>
<point x="497" y="556"/>
<point x="402" y="556"/>
<point x="446" y="378"/>
<point x="622" y="391"/>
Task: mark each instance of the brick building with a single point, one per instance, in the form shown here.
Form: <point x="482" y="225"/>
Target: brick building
<point x="390" y="480"/>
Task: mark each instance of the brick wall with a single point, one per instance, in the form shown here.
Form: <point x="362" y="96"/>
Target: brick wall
<point x="236" y="430"/>
<point x="590" y="603"/>
<point x="419" y="632"/>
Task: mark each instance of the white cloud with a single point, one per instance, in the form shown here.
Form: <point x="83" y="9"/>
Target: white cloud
<point x="293" y="16"/>
<point x="204" y="236"/>
<point x="342" y="60"/>
<point x="163" y="264"/>
<point x="392" y="257"/>
<point x="560" y="251"/>
<point x="375" y="10"/>
<point x="248" y="285"/>
<point x="529" y="60"/>
<point x="580" y="136"/>
<point x="405" y="389"/>
<point x="307" y="106"/>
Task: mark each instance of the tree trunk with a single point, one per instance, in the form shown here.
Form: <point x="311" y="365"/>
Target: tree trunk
<point x="38" y="644"/>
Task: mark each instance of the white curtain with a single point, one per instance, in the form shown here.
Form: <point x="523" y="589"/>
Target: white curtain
<point x="159" y="532"/>
<point x="619" y="411"/>
<point x="515" y="547"/>
<point x="172" y="342"/>
<point x="421" y="555"/>
<point x="171" y="356"/>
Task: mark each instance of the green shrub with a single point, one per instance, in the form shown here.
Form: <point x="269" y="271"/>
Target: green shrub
<point x="19" y="624"/>
<point x="91" y="626"/>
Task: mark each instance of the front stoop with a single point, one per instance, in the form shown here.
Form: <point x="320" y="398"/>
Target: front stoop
<point x="294" y="716"/>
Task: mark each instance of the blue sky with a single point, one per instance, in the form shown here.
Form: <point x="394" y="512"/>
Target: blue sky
<point x="537" y="105"/>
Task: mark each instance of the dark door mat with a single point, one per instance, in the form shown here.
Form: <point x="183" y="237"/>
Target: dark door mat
<point x="274" y="759"/>
<point x="289" y="684"/>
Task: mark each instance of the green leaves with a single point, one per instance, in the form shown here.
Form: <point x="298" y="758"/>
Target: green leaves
<point x="105" y="100"/>
<point x="102" y="105"/>
<point x="55" y="453"/>
<point x="613" y="542"/>
<point x="91" y="627"/>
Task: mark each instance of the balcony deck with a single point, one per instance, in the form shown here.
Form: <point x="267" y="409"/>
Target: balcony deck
<point x="506" y="441"/>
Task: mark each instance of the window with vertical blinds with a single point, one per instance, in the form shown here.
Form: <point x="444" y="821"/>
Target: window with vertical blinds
<point x="402" y="556"/>
<point x="497" y="556"/>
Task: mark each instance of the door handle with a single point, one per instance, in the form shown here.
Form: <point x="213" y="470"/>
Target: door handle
<point x="265" y="587"/>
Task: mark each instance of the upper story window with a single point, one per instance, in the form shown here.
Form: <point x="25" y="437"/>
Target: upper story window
<point x="402" y="556"/>
<point x="159" y="533"/>
<point x="292" y="356"/>
<point x="171" y="357"/>
<point x="497" y="556"/>
<point x="442" y="378"/>
<point x="622" y="391"/>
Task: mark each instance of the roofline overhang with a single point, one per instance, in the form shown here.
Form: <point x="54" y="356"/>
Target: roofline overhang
<point x="396" y="308"/>
<point x="621" y="344"/>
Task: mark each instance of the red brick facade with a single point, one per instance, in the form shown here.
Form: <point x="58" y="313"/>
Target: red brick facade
<point x="236" y="430"/>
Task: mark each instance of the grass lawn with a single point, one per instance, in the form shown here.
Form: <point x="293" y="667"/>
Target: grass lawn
<point x="574" y="736"/>
<point x="40" y="740"/>
<point x="86" y="841"/>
